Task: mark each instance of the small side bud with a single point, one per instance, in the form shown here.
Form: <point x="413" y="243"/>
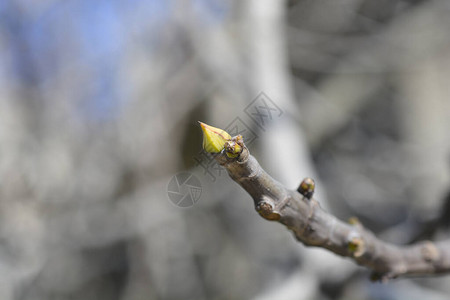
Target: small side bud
<point x="234" y="147"/>
<point x="239" y="140"/>
<point x="306" y="188"/>
<point x="354" y="221"/>
<point x="266" y="210"/>
<point x="429" y="251"/>
<point x="356" y="246"/>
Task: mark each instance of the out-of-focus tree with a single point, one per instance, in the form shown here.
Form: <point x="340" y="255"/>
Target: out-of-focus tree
<point x="99" y="102"/>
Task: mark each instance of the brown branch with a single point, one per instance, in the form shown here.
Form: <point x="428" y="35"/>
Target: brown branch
<point x="315" y="227"/>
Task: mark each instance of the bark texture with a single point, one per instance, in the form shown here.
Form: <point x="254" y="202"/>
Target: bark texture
<point x="313" y="226"/>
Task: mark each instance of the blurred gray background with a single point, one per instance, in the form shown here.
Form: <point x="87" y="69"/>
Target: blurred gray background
<point x="99" y="103"/>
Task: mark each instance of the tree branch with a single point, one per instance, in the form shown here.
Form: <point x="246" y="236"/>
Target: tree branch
<point x="315" y="227"/>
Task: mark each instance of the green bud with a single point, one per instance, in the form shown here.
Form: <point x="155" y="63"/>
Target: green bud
<point x="214" y="139"/>
<point x="306" y="187"/>
<point x="234" y="147"/>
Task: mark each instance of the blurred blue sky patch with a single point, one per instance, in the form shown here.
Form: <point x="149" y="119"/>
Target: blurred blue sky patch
<point x="49" y="37"/>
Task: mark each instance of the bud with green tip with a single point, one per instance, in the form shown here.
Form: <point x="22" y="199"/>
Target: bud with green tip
<point x="214" y="139"/>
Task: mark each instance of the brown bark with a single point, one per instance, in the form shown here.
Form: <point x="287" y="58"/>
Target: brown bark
<point x="313" y="226"/>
